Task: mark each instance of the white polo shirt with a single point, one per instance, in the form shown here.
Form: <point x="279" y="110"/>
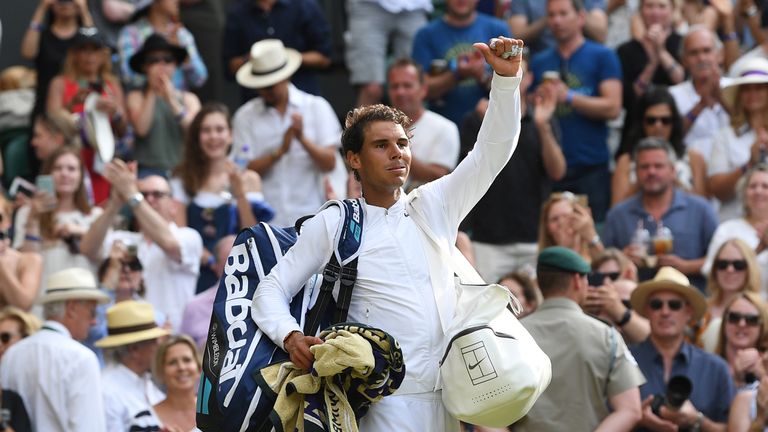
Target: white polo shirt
<point x="126" y="394"/>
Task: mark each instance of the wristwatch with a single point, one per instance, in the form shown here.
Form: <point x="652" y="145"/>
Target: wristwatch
<point x="135" y="200"/>
<point x="751" y="11"/>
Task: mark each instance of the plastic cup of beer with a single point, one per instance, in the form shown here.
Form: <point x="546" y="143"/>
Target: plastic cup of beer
<point x="550" y="76"/>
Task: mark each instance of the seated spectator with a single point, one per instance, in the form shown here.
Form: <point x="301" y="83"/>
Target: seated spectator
<point x="743" y="143"/>
<point x="669" y="302"/>
<point x="217" y="198"/>
<point x="458" y="76"/>
<point x="657" y="116"/>
<point x="51" y="30"/>
<point x="52" y="225"/>
<point x="170" y="255"/>
<point x="71" y="400"/>
<point x="752" y="227"/>
<point x="652" y="59"/>
<point x="197" y="312"/>
<point x="19" y="271"/>
<point x="591" y="364"/>
<point x="373" y="26"/>
<point x="132" y="338"/>
<point x="161" y="112"/>
<point x="160" y="17"/>
<point x="51" y="131"/>
<point x="177" y="367"/>
<point x="528" y="21"/>
<point x="17" y="96"/>
<point x="742" y="340"/>
<point x="524" y="288"/>
<point x="611" y="282"/>
<point x="88" y="69"/>
<point x="566" y="220"/>
<point x="749" y="410"/>
<point x="733" y="271"/>
<point x="15" y="325"/>
<point x="699" y="98"/>
<point x="660" y="204"/>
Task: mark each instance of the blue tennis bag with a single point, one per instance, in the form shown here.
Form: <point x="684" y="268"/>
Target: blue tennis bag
<point x="228" y="397"/>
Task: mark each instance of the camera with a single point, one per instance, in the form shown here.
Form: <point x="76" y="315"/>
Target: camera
<point x="679" y="388"/>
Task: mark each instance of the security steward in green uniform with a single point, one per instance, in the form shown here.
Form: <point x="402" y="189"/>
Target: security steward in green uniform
<point x="591" y="365"/>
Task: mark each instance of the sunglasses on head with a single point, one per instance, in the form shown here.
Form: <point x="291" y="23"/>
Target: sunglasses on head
<point x="6" y="337"/>
<point x="596" y="278"/>
<point x="652" y="120"/>
<point x="657" y="304"/>
<point x="738" y="265"/>
<point x="166" y="58"/>
<point x="749" y="319"/>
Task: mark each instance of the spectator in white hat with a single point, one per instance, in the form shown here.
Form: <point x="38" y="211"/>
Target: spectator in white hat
<point x="133" y="337"/>
<point x="57" y="377"/>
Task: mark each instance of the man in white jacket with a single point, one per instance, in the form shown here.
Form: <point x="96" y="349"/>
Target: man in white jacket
<point x="402" y="286"/>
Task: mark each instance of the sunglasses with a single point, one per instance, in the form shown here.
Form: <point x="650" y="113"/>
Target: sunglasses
<point x="134" y="265"/>
<point x="738" y="265"/>
<point x="596" y="278"/>
<point x="3" y="233"/>
<point x="168" y="58"/>
<point x="6" y="337"/>
<point x="749" y="319"/>
<point x="627" y="304"/>
<point x="156" y="194"/>
<point x="674" y="305"/>
<point x="652" y="120"/>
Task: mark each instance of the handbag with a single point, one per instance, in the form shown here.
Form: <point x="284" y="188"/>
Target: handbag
<point x="492" y="370"/>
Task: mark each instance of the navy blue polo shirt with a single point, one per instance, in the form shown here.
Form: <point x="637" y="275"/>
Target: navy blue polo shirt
<point x="713" y="388"/>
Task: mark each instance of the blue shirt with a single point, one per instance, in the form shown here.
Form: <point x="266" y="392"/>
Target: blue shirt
<point x="439" y="40"/>
<point x="299" y="24"/>
<point x="584" y="138"/>
<point x="536" y="9"/>
<point x="713" y="389"/>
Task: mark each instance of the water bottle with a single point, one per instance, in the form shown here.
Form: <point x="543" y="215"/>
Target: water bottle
<point x="241" y="158"/>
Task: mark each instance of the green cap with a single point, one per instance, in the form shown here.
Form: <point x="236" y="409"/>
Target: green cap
<point x="562" y="259"/>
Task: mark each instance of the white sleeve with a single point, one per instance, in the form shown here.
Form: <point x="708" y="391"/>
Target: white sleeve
<point x="84" y="402"/>
<point x="191" y="245"/>
<point x="327" y="124"/>
<point x="177" y="191"/>
<point x="19" y="226"/>
<point x="719" y="158"/>
<point x="307" y="257"/>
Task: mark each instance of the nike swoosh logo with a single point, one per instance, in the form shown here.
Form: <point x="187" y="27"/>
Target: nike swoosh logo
<point x="475" y="365"/>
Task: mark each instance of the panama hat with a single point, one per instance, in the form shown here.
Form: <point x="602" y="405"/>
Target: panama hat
<point x="72" y="284"/>
<point x="750" y="70"/>
<point x="270" y="62"/>
<point x="668" y="279"/>
<point x="130" y="322"/>
<point x="155" y="42"/>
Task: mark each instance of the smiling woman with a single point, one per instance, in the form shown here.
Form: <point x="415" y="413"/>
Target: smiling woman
<point x="742" y="341"/>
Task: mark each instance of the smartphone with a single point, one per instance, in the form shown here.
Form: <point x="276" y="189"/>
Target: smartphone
<point x="45" y="183"/>
<point x="132" y="251"/>
<point x="20" y="185"/>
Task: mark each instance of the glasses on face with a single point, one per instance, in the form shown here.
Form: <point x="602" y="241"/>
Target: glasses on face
<point x="134" y="265"/>
<point x="674" y="304"/>
<point x="6" y="337"/>
<point x="652" y="120"/>
<point x="738" y="265"/>
<point x="749" y="319"/>
<point x="166" y="58"/>
<point x="596" y="278"/>
<point x="156" y="194"/>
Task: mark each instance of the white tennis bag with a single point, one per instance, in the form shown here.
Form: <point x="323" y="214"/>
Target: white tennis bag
<point x="492" y="371"/>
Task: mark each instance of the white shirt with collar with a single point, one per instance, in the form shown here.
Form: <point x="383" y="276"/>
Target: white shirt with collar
<point x="435" y="141"/>
<point x="170" y="284"/>
<point x="58" y="379"/>
<point x="125" y="394"/>
<point x="294" y="184"/>
<point x="709" y="121"/>
<point x="402" y="287"/>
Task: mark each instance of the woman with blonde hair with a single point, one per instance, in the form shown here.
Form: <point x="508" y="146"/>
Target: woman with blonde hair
<point x="15" y="325"/>
<point x="177" y="367"/>
<point x="742" y="338"/>
<point x="19" y="271"/>
<point x="566" y="220"/>
<point x="734" y="271"/>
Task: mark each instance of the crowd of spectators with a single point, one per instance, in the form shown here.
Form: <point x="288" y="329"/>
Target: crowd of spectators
<point x="641" y="168"/>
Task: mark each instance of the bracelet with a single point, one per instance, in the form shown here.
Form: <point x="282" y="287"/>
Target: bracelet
<point x="595" y="241"/>
<point x="32" y="238"/>
<point x="732" y="36"/>
<point x="691" y="117"/>
<point x="569" y="97"/>
<point x="36" y="26"/>
<point x="285" y="339"/>
<point x="751" y="11"/>
<point x="181" y="114"/>
<point x="625" y="318"/>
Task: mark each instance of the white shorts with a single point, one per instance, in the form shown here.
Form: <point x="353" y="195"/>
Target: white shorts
<point x="420" y="412"/>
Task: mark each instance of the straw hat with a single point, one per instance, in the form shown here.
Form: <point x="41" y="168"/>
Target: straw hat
<point x="72" y="284"/>
<point x="668" y="279"/>
<point x="130" y="322"/>
<point x="750" y="70"/>
<point x="270" y="63"/>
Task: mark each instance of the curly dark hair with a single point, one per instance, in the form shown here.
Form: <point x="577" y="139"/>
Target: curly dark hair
<point x="359" y="118"/>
